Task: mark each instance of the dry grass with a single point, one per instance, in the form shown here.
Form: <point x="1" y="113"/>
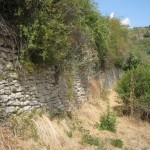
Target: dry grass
<point x="9" y="142"/>
<point x="94" y="89"/>
<point x="51" y="134"/>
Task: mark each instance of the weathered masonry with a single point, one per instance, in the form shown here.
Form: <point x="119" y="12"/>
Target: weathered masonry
<point x="20" y="91"/>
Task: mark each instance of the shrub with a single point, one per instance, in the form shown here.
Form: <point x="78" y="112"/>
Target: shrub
<point x="134" y="88"/>
<point x="117" y="143"/>
<point x="147" y="34"/>
<point x="107" y="122"/>
<point x="89" y="139"/>
<point x="132" y="61"/>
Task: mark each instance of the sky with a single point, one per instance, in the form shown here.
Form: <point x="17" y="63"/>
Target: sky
<point x="135" y="13"/>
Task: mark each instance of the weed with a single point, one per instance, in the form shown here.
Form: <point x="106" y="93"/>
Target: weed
<point x="69" y="133"/>
<point x="117" y="143"/>
<point x="107" y="122"/>
<point x="89" y="139"/>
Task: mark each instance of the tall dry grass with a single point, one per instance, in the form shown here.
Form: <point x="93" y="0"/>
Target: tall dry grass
<point x="9" y="142"/>
<point x="51" y="134"/>
<point x="94" y="90"/>
<point x="36" y="133"/>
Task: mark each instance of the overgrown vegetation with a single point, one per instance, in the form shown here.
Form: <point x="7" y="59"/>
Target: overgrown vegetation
<point x="65" y="32"/>
<point x="134" y="89"/>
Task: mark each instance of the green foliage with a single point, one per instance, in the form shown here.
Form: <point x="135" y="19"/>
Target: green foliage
<point x="59" y="31"/>
<point x="141" y="41"/>
<point x="147" y="34"/>
<point x="119" y="42"/>
<point x="132" y="62"/>
<point x="117" y="143"/>
<point x="107" y="122"/>
<point x="144" y="45"/>
<point x="89" y="139"/>
<point x="119" y="61"/>
<point x="69" y="133"/>
<point x="139" y="80"/>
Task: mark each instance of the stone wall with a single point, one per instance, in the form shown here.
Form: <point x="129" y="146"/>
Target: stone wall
<point x="109" y="77"/>
<point x="20" y="91"/>
<point x="80" y="84"/>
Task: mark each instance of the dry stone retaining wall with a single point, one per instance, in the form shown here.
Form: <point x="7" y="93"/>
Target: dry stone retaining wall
<point x="20" y="91"/>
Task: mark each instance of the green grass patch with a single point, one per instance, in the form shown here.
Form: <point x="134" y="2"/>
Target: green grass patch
<point x="117" y="143"/>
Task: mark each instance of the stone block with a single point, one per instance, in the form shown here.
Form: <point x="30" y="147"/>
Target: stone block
<point x="7" y="92"/>
<point x="2" y="91"/>
<point x="4" y="98"/>
<point x="14" y="76"/>
<point x="3" y="55"/>
<point x="9" y="66"/>
<point x="18" y="95"/>
<point x="10" y="109"/>
<point x="27" y="108"/>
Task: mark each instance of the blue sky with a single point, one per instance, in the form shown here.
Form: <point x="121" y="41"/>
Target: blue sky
<point x="134" y="12"/>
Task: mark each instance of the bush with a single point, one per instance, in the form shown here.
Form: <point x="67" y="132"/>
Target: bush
<point x="135" y="85"/>
<point x="107" y="122"/>
<point x="146" y="35"/>
<point x="132" y="61"/>
<point x="117" y="143"/>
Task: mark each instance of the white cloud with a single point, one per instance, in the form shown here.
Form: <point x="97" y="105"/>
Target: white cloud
<point x="112" y="15"/>
<point x="125" y="21"/>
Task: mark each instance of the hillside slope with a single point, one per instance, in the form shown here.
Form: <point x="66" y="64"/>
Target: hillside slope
<point x="67" y="133"/>
<point x="140" y="38"/>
